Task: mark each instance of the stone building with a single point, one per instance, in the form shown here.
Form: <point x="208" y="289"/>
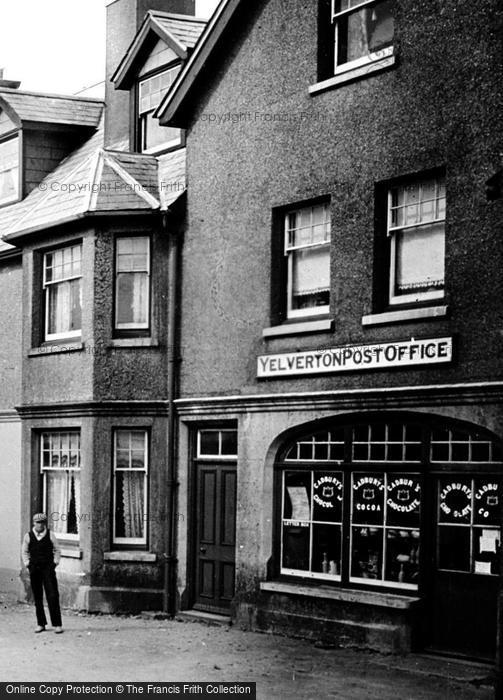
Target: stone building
<point x="341" y="331"/>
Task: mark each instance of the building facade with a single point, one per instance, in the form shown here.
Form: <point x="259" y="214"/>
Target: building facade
<point x="340" y="383"/>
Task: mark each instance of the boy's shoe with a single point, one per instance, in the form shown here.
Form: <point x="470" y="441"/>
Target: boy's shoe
<point x="58" y="630"/>
<point x="39" y="628"/>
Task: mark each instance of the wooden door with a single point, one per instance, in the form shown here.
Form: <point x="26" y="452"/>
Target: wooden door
<point x="215" y="543"/>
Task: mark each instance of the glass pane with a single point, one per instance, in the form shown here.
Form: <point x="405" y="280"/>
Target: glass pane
<point x="327" y="497"/>
<point x="138" y="440"/>
<point x="327" y="549"/>
<point x="132" y="299"/>
<point x="63" y="501"/>
<point x="420" y="257"/>
<point x="454" y="548"/>
<point x="368" y="498"/>
<point x="122" y="459"/>
<point x="129" y="504"/>
<point x="138" y="459"/>
<point x="297" y="496"/>
<point x="486" y="550"/>
<point x="487" y="511"/>
<point x="403" y="500"/>
<point x="123" y="438"/>
<point x="229" y="442"/>
<point x="365" y="31"/>
<point x="209" y="442"/>
<point x="366" y="552"/>
<point x="455" y="500"/>
<point x="311" y="277"/>
<point x="402" y="556"/>
<point x="296" y="546"/>
<point x="9" y="170"/>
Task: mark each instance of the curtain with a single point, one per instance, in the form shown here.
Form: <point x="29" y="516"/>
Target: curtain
<point x="311" y="271"/>
<point x="420" y="258"/>
<point x="133" y="498"/>
<point x="57" y="500"/>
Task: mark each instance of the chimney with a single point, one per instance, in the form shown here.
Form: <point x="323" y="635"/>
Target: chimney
<point x="13" y="84"/>
<point x="124" y="18"/>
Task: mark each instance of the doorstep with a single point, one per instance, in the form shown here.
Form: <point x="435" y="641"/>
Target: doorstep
<point x="200" y="616"/>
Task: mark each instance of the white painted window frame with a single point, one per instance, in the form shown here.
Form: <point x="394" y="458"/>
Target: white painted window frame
<point x="46" y="285"/>
<point x="134" y="541"/>
<point x="70" y="537"/>
<point x="132" y="326"/>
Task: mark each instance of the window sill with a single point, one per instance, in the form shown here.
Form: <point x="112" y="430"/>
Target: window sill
<point x="56" y="348"/>
<point x="133" y="556"/>
<point x="298" y="328"/>
<point x="405" y="315"/>
<point x="71" y="553"/>
<point x="381" y="600"/>
<point x="353" y="74"/>
<point x="133" y="343"/>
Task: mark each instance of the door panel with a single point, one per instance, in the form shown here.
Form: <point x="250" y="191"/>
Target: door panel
<point x="215" y="536"/>
<point x="464" y="590"/>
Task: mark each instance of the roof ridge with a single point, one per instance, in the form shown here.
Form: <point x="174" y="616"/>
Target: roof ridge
<point x="12" y="91"/>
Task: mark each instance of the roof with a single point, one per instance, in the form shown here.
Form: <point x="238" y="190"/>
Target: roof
<point x="93" y="181"/>
<point x="210" y="40"/>
<point x="24" y="106"/>
<point x="179" y="32"/>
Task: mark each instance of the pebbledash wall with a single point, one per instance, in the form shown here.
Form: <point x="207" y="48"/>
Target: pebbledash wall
<point x="10" y="426"/>
<point x="258" y="143"/>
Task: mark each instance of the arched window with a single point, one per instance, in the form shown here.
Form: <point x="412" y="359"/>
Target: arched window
<point x="354" y="497"/>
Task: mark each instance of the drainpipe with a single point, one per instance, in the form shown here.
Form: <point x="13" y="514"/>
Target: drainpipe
<point x="170" y="565"/>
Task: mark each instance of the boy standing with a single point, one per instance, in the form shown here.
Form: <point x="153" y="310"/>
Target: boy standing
<point x="41" y="555"/>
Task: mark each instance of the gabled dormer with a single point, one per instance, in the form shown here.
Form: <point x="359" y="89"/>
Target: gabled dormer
<point x="155" y="57"/>
<point x="37" y="131"/>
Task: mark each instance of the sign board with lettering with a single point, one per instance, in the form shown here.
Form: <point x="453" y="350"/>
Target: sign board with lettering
<point x="355" y="358"/>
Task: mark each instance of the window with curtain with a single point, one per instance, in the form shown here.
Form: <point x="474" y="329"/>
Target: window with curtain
<point x="130" y="487"/>
<point x="132" y="287"/>
<point x="307" y="249"/>
<point x="416" y="231"/>
<point x="151" y="91"/>
<point x="62" y="282"/>
<point x="363" y="31"/>
<point x="9" y="170"/>
<point x="60" y="466"/>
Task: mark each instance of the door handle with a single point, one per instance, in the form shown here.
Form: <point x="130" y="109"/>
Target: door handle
<point x="202" y="550"/>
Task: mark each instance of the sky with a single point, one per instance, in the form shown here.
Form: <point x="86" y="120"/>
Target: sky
<point x="58" y="45"/>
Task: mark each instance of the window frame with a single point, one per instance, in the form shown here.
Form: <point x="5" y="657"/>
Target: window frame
<point x="289" y="253"/>
<point x="139" y="115"/>
<point x="219" y="456"/>
<point x="370" y="58"/>
<point x="392" y="232"/>
<point x="49" y="337"/>
<point x="133" y="542"/>
<point x="5" y="138"/>
<point x="132" y="330"/>
<point x="422" y="469"/>
<point x="70" y="537"/>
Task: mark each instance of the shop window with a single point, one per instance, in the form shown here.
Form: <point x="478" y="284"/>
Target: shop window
<point x="351" y="504"/>
<point x="363" y="32"/>
<point x="416" y="233"/>
<point x="130" y="487"/>
<point x="152" y="136"/>
<point x="457" y="446"/>
<point x="62" y="286"/>
<point x="60" y="467"/>
<point x="215" y="443"/>
<point x="469" y="536"/>
<point x="9" y="170"/>
<point x="307" y="251"/>
<point x="132" y="284"/>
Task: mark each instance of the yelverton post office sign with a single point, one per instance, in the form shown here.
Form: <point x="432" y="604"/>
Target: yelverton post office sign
<point x="353" y="358"/>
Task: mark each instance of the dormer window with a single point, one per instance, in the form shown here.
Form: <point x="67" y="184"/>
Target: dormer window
<point x="9" y="170"/>
<point x="151" y="90"/>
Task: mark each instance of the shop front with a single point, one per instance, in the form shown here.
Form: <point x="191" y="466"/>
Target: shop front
<point x="387" y="534"/>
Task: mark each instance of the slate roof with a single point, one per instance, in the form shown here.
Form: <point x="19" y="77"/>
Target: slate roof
<point x="53" y="109"/>
<point x="186" y="29"/>
<point x="179" y="32"/>
<point x="93" y="180"/>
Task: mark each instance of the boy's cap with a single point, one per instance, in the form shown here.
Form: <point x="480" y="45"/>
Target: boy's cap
<point x="40" y="518"/>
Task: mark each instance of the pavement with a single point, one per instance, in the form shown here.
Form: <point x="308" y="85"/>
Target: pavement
<point x="109" y="648"/>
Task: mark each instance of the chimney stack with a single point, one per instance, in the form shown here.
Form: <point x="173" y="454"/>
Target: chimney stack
<point x="13" y="84"/>
<point x="124" y="18"/>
